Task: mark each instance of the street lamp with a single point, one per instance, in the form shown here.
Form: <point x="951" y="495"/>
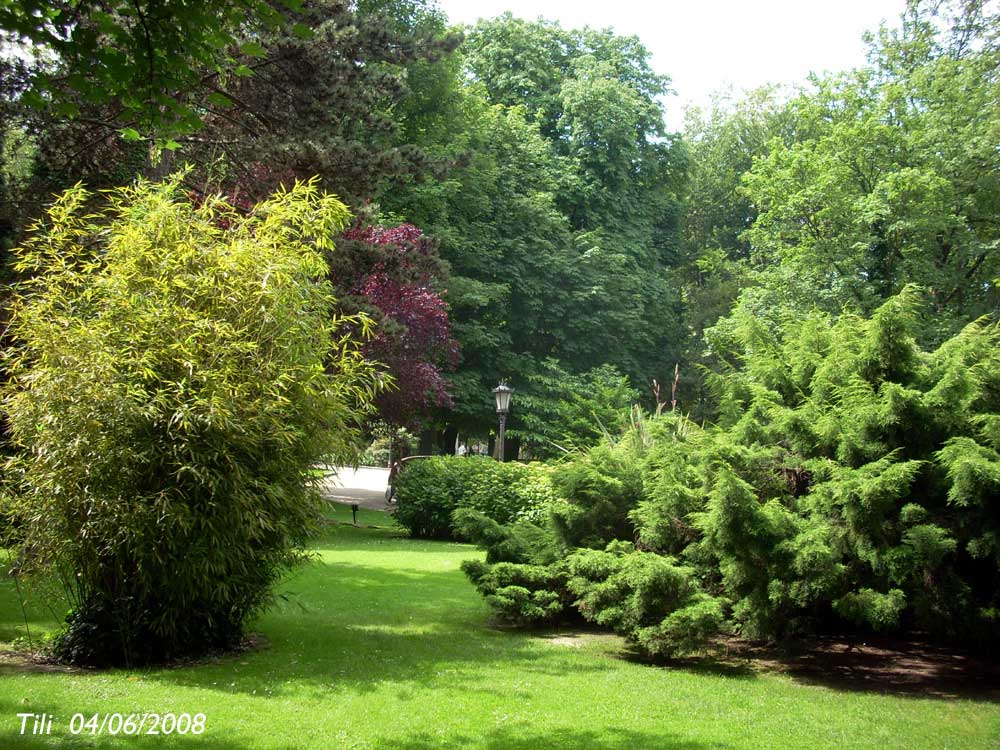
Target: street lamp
<point x="503" y="393"/>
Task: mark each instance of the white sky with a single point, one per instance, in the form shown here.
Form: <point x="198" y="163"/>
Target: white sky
<point x="707" y="45"/>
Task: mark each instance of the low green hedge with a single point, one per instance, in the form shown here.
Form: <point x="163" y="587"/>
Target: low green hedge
<point x="429" y="490"/>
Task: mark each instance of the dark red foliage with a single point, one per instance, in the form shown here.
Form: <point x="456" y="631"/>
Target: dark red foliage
<point x="400" y="237"/>
<point x="413" y="342"/>
<point x="402" y="252"/>
<point x="392" y="270"/>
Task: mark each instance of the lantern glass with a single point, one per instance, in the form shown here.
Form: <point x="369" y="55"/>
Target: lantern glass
<point x="503" y="393"/>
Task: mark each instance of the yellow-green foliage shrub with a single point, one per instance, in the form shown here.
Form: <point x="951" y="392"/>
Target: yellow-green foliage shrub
<point x="177" y="369"/>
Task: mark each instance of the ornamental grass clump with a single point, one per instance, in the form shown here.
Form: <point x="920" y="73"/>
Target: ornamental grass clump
<point x="176" y="371"/>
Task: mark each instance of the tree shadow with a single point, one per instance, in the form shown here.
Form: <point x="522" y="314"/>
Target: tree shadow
<point x="610" y="738"/>
<point x="346" y="626"/>
<point x="367" y="627"/>
<point x="912" y="668"/>
<point x="899" y="667"/>
<point x="708" y="665"/>
<point x="41" y="621"/>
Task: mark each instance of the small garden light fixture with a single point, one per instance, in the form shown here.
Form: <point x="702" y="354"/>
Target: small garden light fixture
<point x="503" y="393"/>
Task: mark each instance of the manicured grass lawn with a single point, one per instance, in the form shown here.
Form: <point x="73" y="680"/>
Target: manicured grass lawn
<point x="382" y="644"/>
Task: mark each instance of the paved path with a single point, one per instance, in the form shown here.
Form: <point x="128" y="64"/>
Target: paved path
<point x="365" y="486"/>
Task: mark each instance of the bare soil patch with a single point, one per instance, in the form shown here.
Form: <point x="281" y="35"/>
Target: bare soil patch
<point x="27" y="661"/>
<point x="580" y="638"/>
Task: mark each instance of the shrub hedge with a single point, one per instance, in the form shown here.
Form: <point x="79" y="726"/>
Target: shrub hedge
<point x="430" y="490"/>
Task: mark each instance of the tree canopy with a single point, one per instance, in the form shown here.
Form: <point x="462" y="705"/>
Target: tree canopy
<point x="154" y="63"/>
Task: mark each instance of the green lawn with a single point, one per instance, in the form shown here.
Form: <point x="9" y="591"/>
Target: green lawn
<point x="382" y="644"/>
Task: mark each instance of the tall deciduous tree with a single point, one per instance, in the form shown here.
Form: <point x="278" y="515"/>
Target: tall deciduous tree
<point x="391" y="274"/>
<point x="598" y="103"/>
<point x="897" y="179"/>
<point x="560" y="223"/>
<point x="715" y="266"/>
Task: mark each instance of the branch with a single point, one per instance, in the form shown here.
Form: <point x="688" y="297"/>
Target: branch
<point x="246" y="107"/>
<point x="149" y="43"/>
<point x="238" y="123"/>
<point x="967" y="275"/>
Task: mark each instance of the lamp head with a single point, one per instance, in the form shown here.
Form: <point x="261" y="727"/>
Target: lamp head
<point x="503" y="393"/>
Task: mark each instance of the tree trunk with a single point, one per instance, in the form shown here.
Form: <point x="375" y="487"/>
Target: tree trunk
<point x="398" y="447"/>
<point x="512" y="449"/>
<point x="158" y="165"/>
<point x="427" y="440"/>
<point x="447" y="441"/>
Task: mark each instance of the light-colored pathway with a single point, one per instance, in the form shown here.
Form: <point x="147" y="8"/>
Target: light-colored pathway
<point x="365" y="486"/>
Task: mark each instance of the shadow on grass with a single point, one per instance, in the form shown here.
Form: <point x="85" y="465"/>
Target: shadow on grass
<point x="702" y="665"/>
<point x="349" y="627"/>
<point x="41" y="621"/>
<point x="354" y="626"/>
<point x="902" y="668"/>
<point x="610" y="738"/>
<point x="894" y="666"/>
<point x="898" y="667"/>
<point x="61" y="737"/>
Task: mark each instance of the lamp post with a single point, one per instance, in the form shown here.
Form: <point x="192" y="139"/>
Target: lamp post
<point x="502" y="393"/>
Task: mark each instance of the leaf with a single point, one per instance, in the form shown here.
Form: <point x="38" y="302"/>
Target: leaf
<point x="130" y="134"/>
<point x="302" y="31"/>
<point x="253" y="49"/>
<point x="105" y="22"/>
<point x="67" y="109"/>
<point x="219" y="99"/>
<point x="33" y="99"/>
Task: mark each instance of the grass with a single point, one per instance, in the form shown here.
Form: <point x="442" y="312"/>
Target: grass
<point x="381" y="643"/>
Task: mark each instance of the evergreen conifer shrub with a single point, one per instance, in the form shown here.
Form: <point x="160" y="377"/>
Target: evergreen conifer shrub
<point x="852" y="483"/>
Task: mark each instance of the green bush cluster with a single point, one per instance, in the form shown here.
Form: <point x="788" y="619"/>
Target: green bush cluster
<point x="853" y="479"/>
<point x="429" y="490"/>
<point x="579" y="562"/>
<point x="529" y="578"/>
<point x="649" y="598"/>
<point x="520" y="593"/>
<point x="851" y="484"/>
<point x="599" y="488"/>
<point x="177" y="371"/>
